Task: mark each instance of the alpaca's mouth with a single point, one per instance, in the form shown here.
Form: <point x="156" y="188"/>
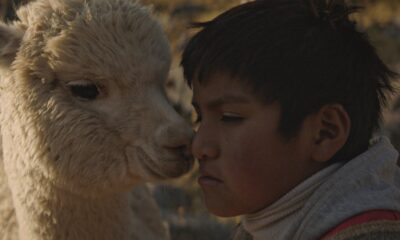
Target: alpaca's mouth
<point x="170" y="164"/>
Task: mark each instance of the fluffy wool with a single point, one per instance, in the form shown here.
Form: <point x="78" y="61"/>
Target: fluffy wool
<point x="70" y="162"/>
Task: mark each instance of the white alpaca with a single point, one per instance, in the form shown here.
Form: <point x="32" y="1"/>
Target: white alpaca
<point x="84" y="118"/>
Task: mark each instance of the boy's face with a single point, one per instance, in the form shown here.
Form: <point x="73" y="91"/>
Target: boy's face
<point x="245" y="163"/>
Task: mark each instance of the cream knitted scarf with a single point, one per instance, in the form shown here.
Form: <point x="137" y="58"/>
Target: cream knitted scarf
<point x="271" y="222"/>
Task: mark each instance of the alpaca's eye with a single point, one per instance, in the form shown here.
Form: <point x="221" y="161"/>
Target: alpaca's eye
<point x="84" y="90"/>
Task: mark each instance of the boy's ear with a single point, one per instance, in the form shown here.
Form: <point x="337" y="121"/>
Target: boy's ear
<point x="332" y="130"/>
<point x="10" y="40"/>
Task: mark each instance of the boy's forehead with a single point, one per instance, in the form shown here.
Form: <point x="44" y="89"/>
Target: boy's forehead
<point x="217" y="83"/>
<point x="220" y="80"/>
<point x="221" y="89"/>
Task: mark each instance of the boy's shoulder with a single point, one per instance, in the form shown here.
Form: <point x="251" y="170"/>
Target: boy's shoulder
<point x="376" y="224"/>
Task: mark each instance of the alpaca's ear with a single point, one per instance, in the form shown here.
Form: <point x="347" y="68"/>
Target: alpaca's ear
<point x="10" y="40"/>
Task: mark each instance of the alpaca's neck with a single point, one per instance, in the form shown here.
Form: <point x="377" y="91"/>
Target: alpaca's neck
<point x="46" y="213"/>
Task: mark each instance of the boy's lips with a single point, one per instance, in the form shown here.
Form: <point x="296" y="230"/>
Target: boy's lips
<point x="207" y="179"/>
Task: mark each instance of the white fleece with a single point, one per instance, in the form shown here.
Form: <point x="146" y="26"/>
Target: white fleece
<point x="70" y="163"/>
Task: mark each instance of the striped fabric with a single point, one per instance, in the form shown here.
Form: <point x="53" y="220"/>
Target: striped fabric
<point x="376" y="224"/>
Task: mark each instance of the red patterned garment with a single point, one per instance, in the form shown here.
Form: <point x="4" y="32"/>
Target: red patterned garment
<point x="383" y="224"/>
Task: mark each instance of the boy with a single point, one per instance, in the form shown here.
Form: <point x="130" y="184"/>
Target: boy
<point x="288" y="93"/>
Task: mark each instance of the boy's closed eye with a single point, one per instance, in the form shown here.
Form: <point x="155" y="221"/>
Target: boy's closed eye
<point x="225" y="117"/>
<point x="231" y="118"/>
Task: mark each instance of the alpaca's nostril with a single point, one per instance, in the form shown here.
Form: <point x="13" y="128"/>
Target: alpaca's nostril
<point x="182" y="152"/>
<point x="186" y="152"/>
<point x="174" y="136"/>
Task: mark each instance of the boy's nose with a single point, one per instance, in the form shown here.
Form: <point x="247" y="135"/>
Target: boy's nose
<point x="204" y="148"/>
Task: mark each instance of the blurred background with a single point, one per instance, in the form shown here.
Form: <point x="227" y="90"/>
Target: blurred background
<point x="180" y="200"/>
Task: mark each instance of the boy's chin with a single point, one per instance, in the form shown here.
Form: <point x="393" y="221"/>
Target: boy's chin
<point x="223" y="210"/>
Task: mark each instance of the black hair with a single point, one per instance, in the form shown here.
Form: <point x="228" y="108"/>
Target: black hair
<point x="303" y="54"/>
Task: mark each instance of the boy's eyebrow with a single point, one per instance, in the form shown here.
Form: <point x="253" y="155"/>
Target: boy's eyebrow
<point x="227" y="99"/>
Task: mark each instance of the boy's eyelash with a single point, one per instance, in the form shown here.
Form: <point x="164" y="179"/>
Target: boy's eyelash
<point x="231" y="118"/>
<point x="224" y="118"/>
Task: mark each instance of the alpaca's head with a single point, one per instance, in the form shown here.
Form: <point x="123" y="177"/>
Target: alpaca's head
<point x="87" y="77"/>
